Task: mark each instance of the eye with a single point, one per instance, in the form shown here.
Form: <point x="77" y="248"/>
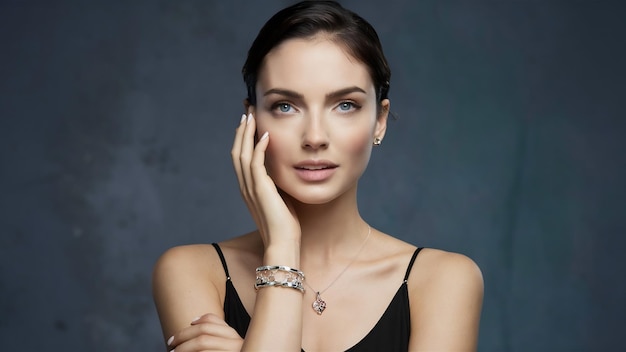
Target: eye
<point x="283" y="107"/>
<point x="347" y="106"/>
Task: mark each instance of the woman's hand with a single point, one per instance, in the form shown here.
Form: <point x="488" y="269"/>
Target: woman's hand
<point x="273" y="215"/>
<point x="279" y="229"/>
<point x="206" y="333"/>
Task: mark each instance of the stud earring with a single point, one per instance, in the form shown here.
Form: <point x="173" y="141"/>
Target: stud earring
<point x="377" y="141"/>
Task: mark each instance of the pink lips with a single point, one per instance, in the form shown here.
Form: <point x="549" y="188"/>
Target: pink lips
<point x="315" y="170"/>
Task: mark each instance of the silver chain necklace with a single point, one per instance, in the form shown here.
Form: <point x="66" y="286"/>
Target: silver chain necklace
<point x="319" y="304"/>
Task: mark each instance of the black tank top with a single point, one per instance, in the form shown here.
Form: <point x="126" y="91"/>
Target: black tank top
<point x="391" y="332"/>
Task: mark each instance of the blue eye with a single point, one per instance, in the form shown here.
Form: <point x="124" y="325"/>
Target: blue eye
<point x="284" y="107"/>
<point x="346" y="106"/>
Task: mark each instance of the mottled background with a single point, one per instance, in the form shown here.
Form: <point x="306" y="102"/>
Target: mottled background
<point x="116" y="125"/>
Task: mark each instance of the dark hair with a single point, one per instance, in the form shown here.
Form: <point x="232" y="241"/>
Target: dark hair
<point x="308" y="18"/>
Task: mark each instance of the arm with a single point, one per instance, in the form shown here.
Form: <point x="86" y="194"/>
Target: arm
<point x="276" y="322"/>
<point x="182" y="291"/>
<point x="446" y="302"/>
<point x="181" y="294"/>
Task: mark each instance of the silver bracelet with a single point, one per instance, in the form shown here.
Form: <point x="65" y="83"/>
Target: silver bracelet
<point x="280" y="268"/>
<point x="279" y="275"/>
<point x="296" y="284"/>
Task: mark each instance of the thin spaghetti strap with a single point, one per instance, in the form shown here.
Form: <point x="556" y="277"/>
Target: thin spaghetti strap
<point x="222" y="259"/>
<point x="408" y="270"/>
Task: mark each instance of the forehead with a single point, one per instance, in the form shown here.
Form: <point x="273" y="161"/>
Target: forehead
<point x="312" y="64"/>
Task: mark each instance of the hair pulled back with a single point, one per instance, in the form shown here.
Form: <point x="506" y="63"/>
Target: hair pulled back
<point x="309" y="18"/>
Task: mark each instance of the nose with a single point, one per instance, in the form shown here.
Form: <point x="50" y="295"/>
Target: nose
<point x="314" y="134"/>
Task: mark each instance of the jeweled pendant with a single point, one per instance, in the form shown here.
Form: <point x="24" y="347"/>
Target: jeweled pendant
<point x="319" y="305"/>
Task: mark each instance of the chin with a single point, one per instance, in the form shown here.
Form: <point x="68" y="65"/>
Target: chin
<point x="314" y="194"/>
<point x="311" y="198"/>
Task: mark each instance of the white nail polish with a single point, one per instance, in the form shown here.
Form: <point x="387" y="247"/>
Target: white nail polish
<point x="170" y="340"/>
<point x="249" y="117"/>
<point x="243" y="117"/>
<point x="264" y="135"/>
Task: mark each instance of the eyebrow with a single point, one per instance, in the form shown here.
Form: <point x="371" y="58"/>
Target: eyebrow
<point x="295" y="95"/>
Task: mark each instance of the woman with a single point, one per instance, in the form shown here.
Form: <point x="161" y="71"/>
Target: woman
<point x="325" y="280"/>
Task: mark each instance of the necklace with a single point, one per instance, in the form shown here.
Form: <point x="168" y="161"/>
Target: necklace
<point x="319" y="304"/>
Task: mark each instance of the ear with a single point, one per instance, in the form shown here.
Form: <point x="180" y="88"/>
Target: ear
<point x="381" y="120"/>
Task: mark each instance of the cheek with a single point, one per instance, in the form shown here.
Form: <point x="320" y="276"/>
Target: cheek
<point x="276" y="150"/>
<point x="272" y="154"/>
<point x="363" y="143"/>
<point x="358" y="143"/>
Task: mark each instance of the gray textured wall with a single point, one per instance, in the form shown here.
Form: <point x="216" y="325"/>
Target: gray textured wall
<point x="116" y="121"/>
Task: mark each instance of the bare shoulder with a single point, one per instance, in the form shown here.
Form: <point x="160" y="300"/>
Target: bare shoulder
<point x="441" y="267"/>
<point x="185" y="285"/>
<point x="446" y="293"/>
<point x="202" y="260"/>
<point x="190" y="281"/>
<point x="186" y="260"/>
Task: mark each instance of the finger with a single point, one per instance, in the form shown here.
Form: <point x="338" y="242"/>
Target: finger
<point x="237" y="163"/>
<point x="208" y="318"/>
<point x="201" y="319"/>
<point x="247" y="151"/>
<point x="266" y="189"/>
<point x="236" y="150"/>
<point x="207" y="343"/>
<point x="247" y="147"/>
<point x="178" y="338"/>
<point x="258" y="170"/>
<point x="258" y="156"/>
<point x="202" y="335"/>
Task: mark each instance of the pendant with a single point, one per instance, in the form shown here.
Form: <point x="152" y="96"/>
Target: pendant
<point x="319" y="305"/>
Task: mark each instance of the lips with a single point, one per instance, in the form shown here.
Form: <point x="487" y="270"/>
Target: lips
<point x="315" y="170"/>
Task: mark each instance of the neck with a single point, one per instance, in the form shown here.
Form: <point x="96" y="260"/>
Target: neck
<point x="332" y="230"/>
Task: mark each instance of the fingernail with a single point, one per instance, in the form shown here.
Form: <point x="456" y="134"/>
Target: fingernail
<point x="243" y="117"/>
<point x="195" y="319"/>
<point x="170" y="340"/>
<point x="249" y="117"/>
<point x="264" y="135"/>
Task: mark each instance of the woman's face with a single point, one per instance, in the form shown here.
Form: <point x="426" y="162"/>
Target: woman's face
<point x="319" y="106"/>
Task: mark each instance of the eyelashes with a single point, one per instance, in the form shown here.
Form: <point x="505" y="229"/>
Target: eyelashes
<point x="347" y="106"/>
<point x="343" y="107"/>
<point x="282" y="107"/>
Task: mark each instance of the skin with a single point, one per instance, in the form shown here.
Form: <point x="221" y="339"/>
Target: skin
<point x="314" y="101"/>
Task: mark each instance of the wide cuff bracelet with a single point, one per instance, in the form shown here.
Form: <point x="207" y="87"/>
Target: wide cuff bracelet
<point x="278" y="275"/>
<point x="297" y="285"/>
